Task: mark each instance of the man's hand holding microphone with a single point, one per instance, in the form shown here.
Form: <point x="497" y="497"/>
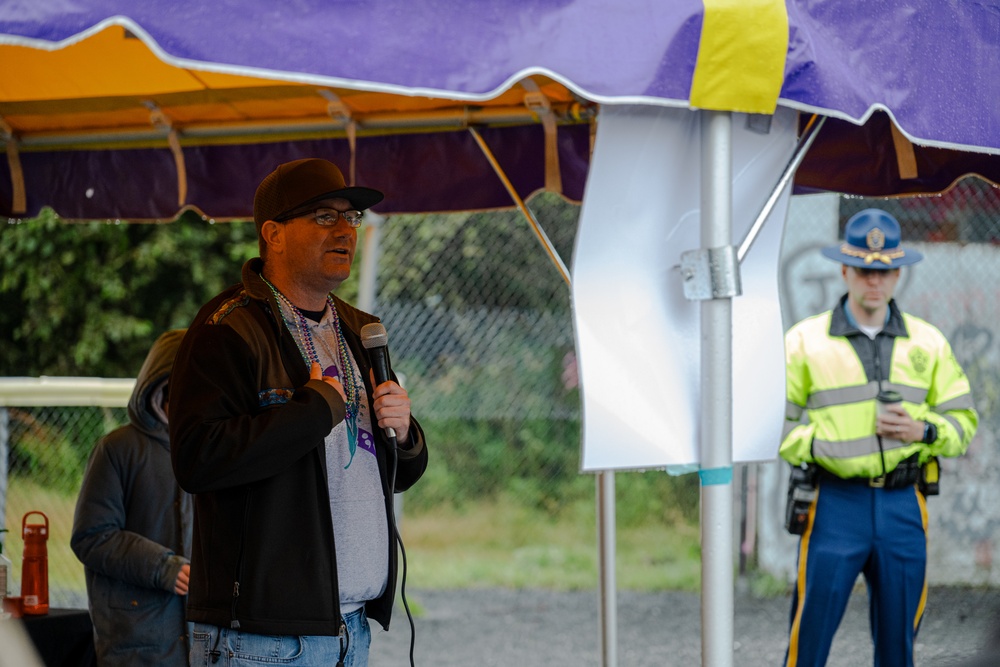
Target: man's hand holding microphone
<point x="391" y="404"/>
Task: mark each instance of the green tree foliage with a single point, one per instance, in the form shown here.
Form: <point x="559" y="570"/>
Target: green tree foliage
<point x="88" y="299"/>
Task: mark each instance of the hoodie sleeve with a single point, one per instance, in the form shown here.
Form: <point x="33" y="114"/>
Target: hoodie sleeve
<point x="100" y="539"/>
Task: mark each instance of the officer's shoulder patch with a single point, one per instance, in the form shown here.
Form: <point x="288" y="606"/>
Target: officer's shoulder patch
<point x="238" y="300"/>
<point x="920" y="359"/>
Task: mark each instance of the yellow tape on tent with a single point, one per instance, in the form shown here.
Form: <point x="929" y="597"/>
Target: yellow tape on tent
<point x="741" y="57"/>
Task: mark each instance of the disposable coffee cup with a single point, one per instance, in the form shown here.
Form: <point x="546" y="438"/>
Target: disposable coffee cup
<point x="886" y="398"/>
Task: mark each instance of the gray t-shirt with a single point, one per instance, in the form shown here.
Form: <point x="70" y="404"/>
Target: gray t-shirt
<point x="357" y="503"/>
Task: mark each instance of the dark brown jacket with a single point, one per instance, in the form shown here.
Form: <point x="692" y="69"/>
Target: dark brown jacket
<point x="247" y="429"/>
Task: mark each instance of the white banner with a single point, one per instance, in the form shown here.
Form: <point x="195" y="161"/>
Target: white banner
<point x="638" y="338"/>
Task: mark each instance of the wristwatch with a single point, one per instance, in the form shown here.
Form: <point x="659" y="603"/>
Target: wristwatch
<point x="930" y="433"/>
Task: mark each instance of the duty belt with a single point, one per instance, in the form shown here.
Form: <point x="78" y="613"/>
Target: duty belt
<point x="907" y="473"/>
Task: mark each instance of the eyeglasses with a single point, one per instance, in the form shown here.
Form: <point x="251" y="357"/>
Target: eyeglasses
<point x="327" y="217"/>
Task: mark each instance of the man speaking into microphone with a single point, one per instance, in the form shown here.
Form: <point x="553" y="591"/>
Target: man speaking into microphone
<point x="279" y="429"/>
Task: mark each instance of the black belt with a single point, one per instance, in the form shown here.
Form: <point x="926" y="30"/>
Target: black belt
<point x="907" y="473"/>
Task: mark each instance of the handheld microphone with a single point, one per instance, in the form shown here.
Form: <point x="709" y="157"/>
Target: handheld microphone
<point x="375" y="341"/>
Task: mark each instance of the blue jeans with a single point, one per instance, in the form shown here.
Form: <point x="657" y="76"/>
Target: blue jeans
<point x="245" y="649"/>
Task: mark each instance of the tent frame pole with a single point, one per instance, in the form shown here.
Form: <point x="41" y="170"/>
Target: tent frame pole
<point x="717" y="579"/>
<point x="321" y="126"/>
<point x="543" y="238"/>
<point x="809" y="134"/>
<point x="606" y="542"/>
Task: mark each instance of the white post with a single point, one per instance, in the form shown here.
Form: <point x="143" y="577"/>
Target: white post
<point x="367" y="281"/>
<point x="368" y="291"/>
<point x="4" y="474"/>
<point x="717" y="612"/>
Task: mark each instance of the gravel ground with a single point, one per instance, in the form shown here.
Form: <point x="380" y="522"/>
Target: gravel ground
<point x="525" y="628"/>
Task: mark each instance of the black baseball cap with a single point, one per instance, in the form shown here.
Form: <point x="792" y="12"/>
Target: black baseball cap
<point x="292" y="188"/>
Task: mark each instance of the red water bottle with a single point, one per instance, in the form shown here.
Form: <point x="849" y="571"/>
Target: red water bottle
<point x="35" y="566"/>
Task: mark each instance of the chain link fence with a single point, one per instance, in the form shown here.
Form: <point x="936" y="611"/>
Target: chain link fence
<point x="480" y="324"/>
<point x="46" y="449"/>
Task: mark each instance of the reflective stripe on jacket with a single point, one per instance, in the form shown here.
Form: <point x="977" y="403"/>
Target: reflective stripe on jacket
<point x="834" y="371"/>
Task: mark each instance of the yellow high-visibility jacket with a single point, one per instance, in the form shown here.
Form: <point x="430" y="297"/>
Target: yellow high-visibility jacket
<point x="834" y="371"/>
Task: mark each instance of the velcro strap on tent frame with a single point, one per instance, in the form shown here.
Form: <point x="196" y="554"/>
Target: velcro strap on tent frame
<point x="906" y="158"/>
<point x="539" y="104"/>
<point x="339" y="111"/>
<point x="159" y="119"/>
<point x="19" y="203"/>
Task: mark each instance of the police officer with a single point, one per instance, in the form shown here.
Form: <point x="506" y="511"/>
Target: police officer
<point x="869" y="513"/>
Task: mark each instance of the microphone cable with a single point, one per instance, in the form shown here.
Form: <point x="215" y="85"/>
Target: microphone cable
<point x="374" y="339"/>
<point x="402" y="549"/>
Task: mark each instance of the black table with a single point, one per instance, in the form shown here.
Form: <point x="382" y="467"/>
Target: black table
<point x="63" y="637"/>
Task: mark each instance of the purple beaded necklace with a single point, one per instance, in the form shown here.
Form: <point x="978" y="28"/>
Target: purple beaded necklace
<point x="302" y="335"/>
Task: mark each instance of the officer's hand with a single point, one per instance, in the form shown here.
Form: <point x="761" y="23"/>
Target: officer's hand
<point x="897" y="424"/>
<point x="316" y="373"/>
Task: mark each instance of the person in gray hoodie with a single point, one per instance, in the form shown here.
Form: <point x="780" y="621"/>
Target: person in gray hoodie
<point x="133" y="527"/>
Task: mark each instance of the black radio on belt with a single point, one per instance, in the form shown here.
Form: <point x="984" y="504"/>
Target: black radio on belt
<point x="801" y="494"/>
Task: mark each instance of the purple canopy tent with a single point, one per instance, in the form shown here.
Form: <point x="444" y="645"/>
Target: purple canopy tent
<point x="407" y="79"/>
<point x="393" y="88"/>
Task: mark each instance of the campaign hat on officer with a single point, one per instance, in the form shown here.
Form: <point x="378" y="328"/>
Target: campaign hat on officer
<point x="871" y="241"/>
<point x="292" y="188"/>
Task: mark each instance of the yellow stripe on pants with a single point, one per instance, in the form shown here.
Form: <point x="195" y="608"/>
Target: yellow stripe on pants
<point x="800" y="586"/>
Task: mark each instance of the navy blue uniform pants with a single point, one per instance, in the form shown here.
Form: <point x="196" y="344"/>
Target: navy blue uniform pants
<point x="855" y="529"/>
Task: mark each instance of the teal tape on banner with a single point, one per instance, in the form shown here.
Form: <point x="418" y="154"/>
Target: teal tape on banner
<point x="713" y="476"/>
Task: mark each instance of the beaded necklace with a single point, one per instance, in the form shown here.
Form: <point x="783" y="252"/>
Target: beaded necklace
<point x="302" y="335"/>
